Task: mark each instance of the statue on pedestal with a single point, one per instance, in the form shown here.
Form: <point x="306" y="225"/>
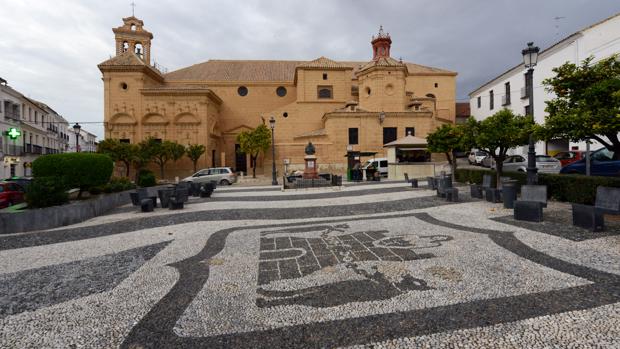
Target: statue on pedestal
<point x="310" y="171"/>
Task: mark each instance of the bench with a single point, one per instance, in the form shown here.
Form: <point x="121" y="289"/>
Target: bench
<point x="452" y="194"/>
<point x="414" y="182"/>
<point x="164" y="196"/>
<point x="432" y="183"/>
<point x="592" y="217"/>
<point x="445" y="182"/>
<point x="178" y="199"/>
<point x="530" y="206"/>
<point x="206" y="190"/>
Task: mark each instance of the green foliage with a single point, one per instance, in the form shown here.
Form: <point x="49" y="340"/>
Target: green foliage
<point x="194" y="152"/>
<point x="254" y="142"/>
<point x="447" y="139"/>
<point x="571" y="188"/>
<point x="117" y="184"/>
<point x="76" y="170"/>
<point x="117" y="151"/>
<point x="498" y="133"/>
<point x="587" y="103"/>
<point x="165" y="151"/>
<point x="46" y="191"/>
<point x="146" y="178"/>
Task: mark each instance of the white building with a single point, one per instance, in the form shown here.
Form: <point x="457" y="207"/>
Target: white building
<point x="87" y="142"/>
<point x="600" y="40"/>
<point x="42" y="131"/>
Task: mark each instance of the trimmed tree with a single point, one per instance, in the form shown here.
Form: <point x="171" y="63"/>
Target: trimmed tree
<point x="117" y="151"/>
<point x="447" y="139"/>
<point x="194" y="152"/>
<point x="498" y="133"/>
<point x="254" y="142"/>
<point x="587" y="103"/>
<point x="143" y="153"/>
<point x="176" y="151"/>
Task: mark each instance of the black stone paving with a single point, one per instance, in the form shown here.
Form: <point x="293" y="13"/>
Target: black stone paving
<point x="41" y="287"/>
<point x="155" y="330"/>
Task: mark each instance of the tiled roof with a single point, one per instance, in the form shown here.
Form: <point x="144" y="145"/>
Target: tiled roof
<point x="383" y="62"/>
<point x="127" y="58"/>
<point x="269" y="70"/>
<point x="323" y="62"/>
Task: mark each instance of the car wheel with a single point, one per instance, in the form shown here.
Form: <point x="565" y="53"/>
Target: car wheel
<point x="225" y="182"/>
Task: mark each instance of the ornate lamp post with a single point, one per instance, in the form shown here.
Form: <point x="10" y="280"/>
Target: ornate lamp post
<point x="272" y="124"/>
<point x="530" y="58"/>
<point x="76" y="130"/>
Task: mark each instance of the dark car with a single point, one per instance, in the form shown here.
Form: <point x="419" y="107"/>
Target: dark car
<point x="24" y="182"/>
<point x="10" y="194"/>
<point x="602" y="163"/>
<point x="568" y="157"/>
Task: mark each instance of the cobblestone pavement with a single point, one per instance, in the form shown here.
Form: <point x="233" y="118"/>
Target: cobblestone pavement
<point x="366" y="266"/>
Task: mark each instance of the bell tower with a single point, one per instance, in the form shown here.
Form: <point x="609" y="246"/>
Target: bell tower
<point x="381" y="45"/>
<point x="132" y="36"/>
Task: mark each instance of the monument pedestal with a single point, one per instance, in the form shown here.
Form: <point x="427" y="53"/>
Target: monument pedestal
<point x="310" y="169"/>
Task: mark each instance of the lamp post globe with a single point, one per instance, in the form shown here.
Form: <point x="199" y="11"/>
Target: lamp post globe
<point x="272" y="124"/>
<point x="76" y="130"/>
<point x="530" y="59"/>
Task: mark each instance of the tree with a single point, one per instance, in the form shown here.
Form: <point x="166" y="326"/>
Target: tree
<point x="447" y="139"/>
<point x="143" y="153"/>
<point x="163" y="152"/>
<point x="254" y="142"/>
<point x="117" y="151"/>
<point x="498" y="133"/>
<point x="176" y="151"/>
<point x="194" y="152"/>
<point x="587" y="103"/>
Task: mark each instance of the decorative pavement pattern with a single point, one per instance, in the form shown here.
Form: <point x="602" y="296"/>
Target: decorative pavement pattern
<point x="381" y="266"/>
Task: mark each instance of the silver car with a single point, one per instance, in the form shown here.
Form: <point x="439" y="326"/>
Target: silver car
<point x="221" y="175"/>
<point x="544" y="163"/>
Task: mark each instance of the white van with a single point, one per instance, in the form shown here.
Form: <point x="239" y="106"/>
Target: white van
<point x="381" y="164"/>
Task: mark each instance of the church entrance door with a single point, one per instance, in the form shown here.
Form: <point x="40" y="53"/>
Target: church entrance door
<point x="241" y="163"/>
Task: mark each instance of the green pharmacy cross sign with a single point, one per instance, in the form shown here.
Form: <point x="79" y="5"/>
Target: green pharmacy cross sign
<point x="13" y="133"/>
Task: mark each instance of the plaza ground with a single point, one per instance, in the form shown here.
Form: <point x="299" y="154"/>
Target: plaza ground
<point x="372" y="265"/>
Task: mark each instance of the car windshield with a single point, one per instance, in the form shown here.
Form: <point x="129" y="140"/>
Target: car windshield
<point x="545" y="158"/>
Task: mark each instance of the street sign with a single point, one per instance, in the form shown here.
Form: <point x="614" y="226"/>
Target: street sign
<point x="13" y="133"/>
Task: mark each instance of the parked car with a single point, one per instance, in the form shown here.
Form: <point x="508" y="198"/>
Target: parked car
<point x="24" y="182"/>
<point x="380" y="164"/>
<point x="488" y="162"/>
<point x="544" y="163"/>
<point x="602" y="163"/>
<point x="568" y="157"/>
<point x="476" y="157"/>
<point x="222" y="175"/>
<point x="10" y="194"/>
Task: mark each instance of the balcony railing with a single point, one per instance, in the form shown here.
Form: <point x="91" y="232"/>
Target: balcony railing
<point x="13" y="150"/>
<point x="505" y="100"/>
<point x="524" y="92"/>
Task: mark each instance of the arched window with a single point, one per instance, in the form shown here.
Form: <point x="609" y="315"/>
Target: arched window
<point x="125" y="46"/>
<point x="324" y="92"/>
<point x="139" y="49"/>
<point x="133" y="26"/>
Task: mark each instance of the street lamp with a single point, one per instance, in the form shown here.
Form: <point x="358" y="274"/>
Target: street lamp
<point x="76" y="129"/>
<point x="530" y="58"/>
<point x="272" y="124"/>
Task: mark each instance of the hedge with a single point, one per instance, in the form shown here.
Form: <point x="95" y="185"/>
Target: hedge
<point x="46" y="191"/>
<point x="77" y="170"/>
<point x="561" y="187"/>
<point x="146" y="178"/>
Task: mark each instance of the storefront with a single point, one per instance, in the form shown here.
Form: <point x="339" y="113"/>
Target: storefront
<point x="409" y="155"/>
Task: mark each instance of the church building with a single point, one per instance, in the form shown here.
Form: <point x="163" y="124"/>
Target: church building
<point x="342" y="107"/>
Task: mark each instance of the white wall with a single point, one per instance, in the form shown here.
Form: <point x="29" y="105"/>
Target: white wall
<point x="600" y="41"/>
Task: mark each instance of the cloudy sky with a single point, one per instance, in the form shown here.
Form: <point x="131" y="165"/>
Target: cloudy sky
<point x="49" y="50"/>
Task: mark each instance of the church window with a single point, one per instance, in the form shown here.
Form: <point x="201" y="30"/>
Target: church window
<point x="124" y="85"/>
<point x="367" y="90"/>
<point x="436" y="85"/>
<point x="324" y="92"/>
<point x="353" y="135"/>
<point x="139" y="49"/>
<point x="281" y="91"/>
<point x="409" y="131"/>
<point x="125" y="46"/>
<point x="242" y="91"/>
<point x="324" y="76"/>
<point x="133" y="27"/>
<point x="389" y="134"/>
<point x="285" y="114"/>
<point x="124" y="140"/>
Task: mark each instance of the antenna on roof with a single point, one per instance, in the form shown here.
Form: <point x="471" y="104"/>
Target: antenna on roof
<point x="557" y="24"/>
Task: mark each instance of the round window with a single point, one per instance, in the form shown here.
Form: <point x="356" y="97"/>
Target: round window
<point x="242" y="91"/>
<point x="281" y="91"/>
<point x="124" y="85"/>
